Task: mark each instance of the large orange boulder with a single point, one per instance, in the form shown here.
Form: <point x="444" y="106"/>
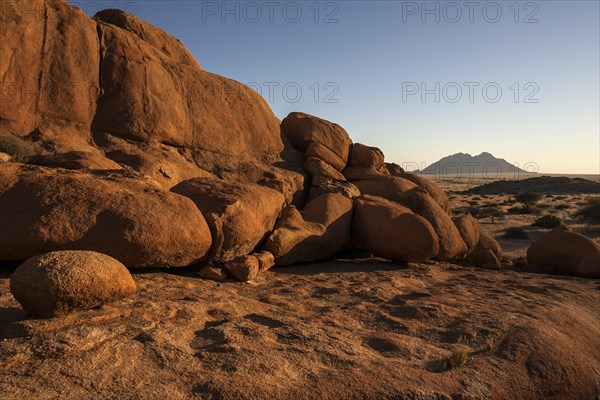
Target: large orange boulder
<point x="240" y="215"/>
<point x="384" y="186"/>
<point x="61" y="282"/>
<point x="318" y="232"/>
<point x="128" y="95"/>
<point x="333" y="142"/>
<point x="468" y="227"/>
<point x="362" y="155"/>
<point x="431" y="188"/>
<point x="561" y="252"/>
<point x="127" y="218"/>
<point x="204" y="110"/>
<point x="486" y="254"/>
<point x="452" y="246"/>
<point x="50" y="67"/>
<point x="389" y="230"/>
<point x="147" y="32"/>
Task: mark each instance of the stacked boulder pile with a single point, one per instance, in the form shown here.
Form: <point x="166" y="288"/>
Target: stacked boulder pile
<point x="140" y="154"/>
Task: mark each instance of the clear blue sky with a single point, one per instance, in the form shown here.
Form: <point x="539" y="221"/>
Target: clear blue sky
<point x="372" y="56"/>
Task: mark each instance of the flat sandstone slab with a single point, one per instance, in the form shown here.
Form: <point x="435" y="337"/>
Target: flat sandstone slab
<point x="323" y="331"/>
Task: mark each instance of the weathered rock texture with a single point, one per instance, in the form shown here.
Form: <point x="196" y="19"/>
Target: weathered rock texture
<point x="318" y="232"/>
<point x="420" y="202"/>
<point x="240" y="216"/>
<point x="392" y="231"/>
<point x="58" y="283"/>
<point x="132" y="220"/>
<point x="468" y="228"/>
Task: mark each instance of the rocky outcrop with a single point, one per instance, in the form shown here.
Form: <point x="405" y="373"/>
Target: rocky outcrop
<point x="240" y="216"/>
<point x="451" y="244"/>
<point x="468" y="228"/>
<point x="486" y="254"/>
<point x="431" y="188"/>
<point x="563" y="252"/>
<point x="318" y="232"/>
<point x="318" y="138"/>
<point x="366" y="156"/>
<point x="389" y="230"/>
<point x="384" y="186"/>
<point x="178" y="121"/>
<point x="128" y="218"/>
<point x="146" y="127"/>
<point x="58" y="283"/>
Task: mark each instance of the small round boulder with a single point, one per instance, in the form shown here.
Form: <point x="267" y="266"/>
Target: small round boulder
<point x="55" y="284"/>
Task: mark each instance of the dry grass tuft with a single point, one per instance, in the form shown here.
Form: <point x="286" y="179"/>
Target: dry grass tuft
<point x="459" y="357"/>
<point x="20" y="150"/>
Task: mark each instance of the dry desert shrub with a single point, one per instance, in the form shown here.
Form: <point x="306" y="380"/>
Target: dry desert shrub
<point x="460" y="355"/>
<point x="590" y="211"/>
<point x="19" y="149"/>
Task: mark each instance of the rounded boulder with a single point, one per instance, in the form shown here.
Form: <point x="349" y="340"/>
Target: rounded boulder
<point x="57" y="283"/>
<point x="392" y="231"/>
<point x="561" y="251"/>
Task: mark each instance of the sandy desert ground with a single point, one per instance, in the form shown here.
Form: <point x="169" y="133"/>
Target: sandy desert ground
<point x="357" y="329"/>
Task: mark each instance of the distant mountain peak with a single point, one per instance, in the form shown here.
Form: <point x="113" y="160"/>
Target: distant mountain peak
<point x="464" y="163"/>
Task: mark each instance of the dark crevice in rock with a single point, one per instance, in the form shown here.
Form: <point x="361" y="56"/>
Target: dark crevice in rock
<point x="100" y="89"/>
<point x="101" y="60"/>
<point x="41" y="75"/>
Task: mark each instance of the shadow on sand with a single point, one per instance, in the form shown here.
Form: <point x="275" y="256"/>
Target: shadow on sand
<point x="340" y="265"/>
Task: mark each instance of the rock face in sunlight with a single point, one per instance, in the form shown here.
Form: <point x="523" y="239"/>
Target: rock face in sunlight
<point x="135" y="151"/>
<point x="133" y="220"/>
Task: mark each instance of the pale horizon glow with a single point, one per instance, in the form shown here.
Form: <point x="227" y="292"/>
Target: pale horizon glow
<point x="377" y="48"/>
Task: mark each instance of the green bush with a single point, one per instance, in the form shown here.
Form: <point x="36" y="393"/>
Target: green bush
<point x="548" y="221"/>
<point x="590" y="212"/>
<point x="19" y="149"/>
<point x="529" y="200"/>
<point x="516" y="233"/>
